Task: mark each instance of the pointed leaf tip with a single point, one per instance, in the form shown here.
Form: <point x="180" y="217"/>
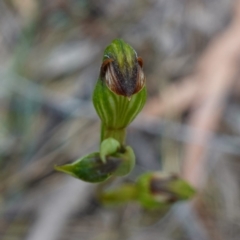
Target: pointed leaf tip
<point x="67" y="168"/>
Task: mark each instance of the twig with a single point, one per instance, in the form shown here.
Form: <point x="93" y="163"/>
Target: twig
<point x="216" y="71"/>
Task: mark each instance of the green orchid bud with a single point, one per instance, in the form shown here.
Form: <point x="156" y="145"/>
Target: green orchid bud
<point x="145" y="196"/>
<point x="90" y="168"/>
<point x="108" y="147"/>
<point x="156" y="190"/>
<point x="120" y="92"/>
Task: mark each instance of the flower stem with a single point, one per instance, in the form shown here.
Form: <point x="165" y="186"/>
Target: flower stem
<point x="118" y="134"/>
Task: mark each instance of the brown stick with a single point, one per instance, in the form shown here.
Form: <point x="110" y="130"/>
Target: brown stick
<point x="216" y="71"/>
<point x="173" y="100"/>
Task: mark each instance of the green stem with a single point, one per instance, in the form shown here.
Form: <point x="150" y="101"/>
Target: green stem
<point x="118" y="134"/>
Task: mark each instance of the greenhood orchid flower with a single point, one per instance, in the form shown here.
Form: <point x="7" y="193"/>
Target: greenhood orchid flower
<point x="120" y="92"/>
<point x="118" y="97"/>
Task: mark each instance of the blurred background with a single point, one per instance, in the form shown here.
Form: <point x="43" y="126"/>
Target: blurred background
<point x="50" y="55"/>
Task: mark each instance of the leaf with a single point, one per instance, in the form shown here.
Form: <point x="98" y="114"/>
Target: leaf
<point x="90" y="168"/>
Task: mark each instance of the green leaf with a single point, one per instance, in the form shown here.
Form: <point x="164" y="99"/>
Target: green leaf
<point x="90" y="168"/>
